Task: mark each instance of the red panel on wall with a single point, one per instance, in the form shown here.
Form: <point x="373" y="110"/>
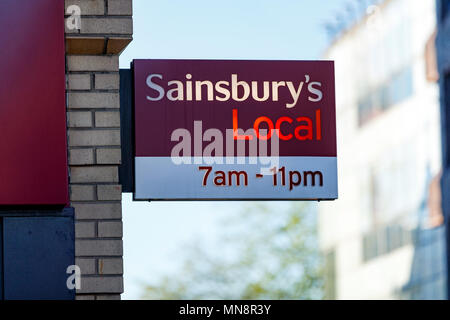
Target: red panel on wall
<point x="33" y="155"/>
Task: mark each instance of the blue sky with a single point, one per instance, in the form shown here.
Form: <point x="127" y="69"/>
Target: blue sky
<point x="207" y="29"/>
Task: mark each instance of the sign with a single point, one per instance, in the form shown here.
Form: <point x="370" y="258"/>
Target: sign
<point x="234" y="130"/>
<point x="33" y="161"/>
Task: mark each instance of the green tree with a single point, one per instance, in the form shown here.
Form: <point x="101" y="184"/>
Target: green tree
<point x="265" y="252"/>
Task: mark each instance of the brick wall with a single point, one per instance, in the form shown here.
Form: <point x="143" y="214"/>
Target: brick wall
<point x="92" y="74"/>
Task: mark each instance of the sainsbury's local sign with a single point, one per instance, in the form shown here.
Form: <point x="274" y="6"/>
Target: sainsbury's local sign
<point x="224" y="130"/>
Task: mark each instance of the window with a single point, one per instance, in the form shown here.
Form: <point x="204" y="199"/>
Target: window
<point x="370" y="247"/>
<point x="395" y="237"/>
<point x="387" y="78"/>
<point x="446" y="95"/>
<point x="397" y="89"/>
<point x="385" y="239"/>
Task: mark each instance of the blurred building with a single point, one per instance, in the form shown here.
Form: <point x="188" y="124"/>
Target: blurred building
<point x="443" y="53"/>
<point x="384" y="238"/>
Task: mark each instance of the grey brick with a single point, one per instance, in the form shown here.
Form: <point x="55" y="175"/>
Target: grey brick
<point x="107" y="81"/>
<point x="101" y="285"/>
<point x="108" y="297"/>
<point x="94" y="174"/>
<point x="79" y="81"/>
<point x="87" y="7"/>
<point x="110" y="266"/>
<point x="85" y="297"/>
<point x="85" y="138"/>
<point x="92" y="100"/>
<point x="109" y="192"/>
<point x="120" y="7"/>
<point x="98" y="210"/>
<point x="87" y="265"/>
<point x="109" y="156"/>
<point x="107" y="119"/>
<point x="106" y="26"/>
<point x="81" y="156"/>
<point x="110" y="229"/>
<point x="82" y="193"/>
<point x="79" y="119"/>
<point x="84" y="229"/>
<point x="93" y="63"/>
<point x="98" y="248"/>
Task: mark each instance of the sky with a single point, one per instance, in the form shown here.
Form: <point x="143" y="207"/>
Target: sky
<point x="154" y="232"/>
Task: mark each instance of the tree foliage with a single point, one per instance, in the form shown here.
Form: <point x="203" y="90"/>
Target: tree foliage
<point x="265" y="252"/>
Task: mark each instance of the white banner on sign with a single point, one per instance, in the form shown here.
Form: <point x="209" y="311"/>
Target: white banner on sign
<point x="162" y="178"/>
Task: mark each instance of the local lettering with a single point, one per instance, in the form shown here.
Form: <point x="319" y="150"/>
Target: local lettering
<point x="305" y="128"/>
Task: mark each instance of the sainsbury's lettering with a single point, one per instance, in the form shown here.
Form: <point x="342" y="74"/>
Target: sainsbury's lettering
<point x="235" y="89"/>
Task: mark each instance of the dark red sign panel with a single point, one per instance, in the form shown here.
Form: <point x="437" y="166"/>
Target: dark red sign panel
<point x="287" y="92"/>
<point x="33" y="159"/>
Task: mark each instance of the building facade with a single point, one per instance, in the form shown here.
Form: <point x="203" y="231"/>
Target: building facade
<point x="60" y="194"/>
<point x="384" y="238"/>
